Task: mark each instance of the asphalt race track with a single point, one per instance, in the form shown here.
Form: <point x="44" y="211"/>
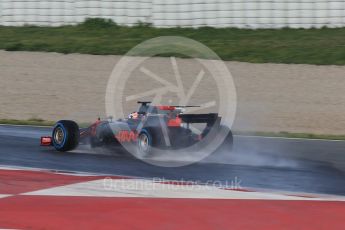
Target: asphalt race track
<point x="298" y="165"/>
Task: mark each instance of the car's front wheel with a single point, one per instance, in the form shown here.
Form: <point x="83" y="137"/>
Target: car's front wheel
<point x="65" y="135"/>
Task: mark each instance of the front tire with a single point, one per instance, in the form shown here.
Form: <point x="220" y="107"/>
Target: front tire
<point x="65" y="135"/>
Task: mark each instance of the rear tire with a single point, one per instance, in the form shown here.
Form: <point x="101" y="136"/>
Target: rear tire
<point x="65" y="135"/>
<point x="144" y="144"/>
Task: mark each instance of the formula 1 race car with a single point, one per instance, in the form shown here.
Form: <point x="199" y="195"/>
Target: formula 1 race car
<point x="151" y="127"/>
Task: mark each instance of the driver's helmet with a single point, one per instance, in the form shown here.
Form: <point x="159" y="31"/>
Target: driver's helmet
<point x="133" y="115"/>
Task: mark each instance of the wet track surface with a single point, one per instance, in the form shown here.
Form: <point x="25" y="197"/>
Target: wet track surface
<point x="314" y="166"/>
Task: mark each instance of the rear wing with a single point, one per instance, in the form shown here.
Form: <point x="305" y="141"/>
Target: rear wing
<point x="210" y="118"/>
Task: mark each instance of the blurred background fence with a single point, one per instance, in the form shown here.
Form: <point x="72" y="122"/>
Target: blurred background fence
<point x="183" y="13"/>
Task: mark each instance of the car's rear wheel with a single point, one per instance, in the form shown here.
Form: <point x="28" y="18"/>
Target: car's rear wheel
<point x="65" y="135"/>
<point x="144" y="144"/>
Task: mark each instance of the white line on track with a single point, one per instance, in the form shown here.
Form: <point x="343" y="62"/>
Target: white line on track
<point x="57" y="171"/>
<point x="289" y="138"/>
<point x="150" y="189"/>
<point x="4" y="195"/>
<point x="148" y="182"/>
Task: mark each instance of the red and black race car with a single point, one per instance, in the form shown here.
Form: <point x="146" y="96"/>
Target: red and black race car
<point x="151" y="127"/>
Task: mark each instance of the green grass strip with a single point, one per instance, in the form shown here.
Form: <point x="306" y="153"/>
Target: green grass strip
<point x="324" y="46"/>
